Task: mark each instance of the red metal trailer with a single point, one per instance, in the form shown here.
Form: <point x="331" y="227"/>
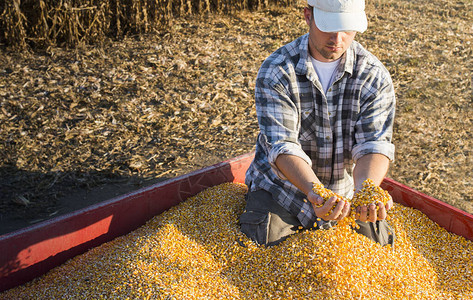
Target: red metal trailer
<point x="31" y="252"/>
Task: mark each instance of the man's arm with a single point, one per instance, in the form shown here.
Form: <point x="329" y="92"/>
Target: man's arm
<point x="299" y="173"/>
<point x="374" y="166"/>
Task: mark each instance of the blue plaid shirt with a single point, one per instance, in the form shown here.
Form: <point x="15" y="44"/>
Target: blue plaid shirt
<point x="329" y="131"/>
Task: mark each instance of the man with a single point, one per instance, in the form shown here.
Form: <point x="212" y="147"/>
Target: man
<point x="325" y="109"/>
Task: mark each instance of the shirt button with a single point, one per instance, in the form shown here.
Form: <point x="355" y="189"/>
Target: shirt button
<point x="330" y="89"/>
<point x="329" y="113"/>
<point x="327" y="137"/>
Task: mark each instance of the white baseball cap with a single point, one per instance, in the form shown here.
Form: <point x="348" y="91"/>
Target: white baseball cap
<point x="339" y="15"/>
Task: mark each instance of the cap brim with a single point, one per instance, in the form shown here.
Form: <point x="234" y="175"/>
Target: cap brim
<point x="336" y="22"/>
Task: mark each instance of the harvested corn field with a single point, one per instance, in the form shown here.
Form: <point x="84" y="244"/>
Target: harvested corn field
<point x="196" y="251"/>
<point x="149" y="107"/>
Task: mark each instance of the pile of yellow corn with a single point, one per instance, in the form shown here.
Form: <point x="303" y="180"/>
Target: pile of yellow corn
<point x="196" y="251"/>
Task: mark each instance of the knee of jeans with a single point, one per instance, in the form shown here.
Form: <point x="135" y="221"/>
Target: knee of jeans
<point x="379" y="232"/>
<point x="255" y="225"/>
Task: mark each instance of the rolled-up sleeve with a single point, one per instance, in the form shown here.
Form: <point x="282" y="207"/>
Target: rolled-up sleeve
<point x="374" y="127"/>
<point x="385" y="148"/>
<point x="285" y="148"/>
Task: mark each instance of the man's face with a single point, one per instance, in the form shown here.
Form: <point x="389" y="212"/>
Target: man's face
<point x="326" y="46"/>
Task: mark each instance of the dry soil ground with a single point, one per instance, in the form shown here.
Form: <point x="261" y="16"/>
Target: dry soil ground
<point x="80" y="126"/>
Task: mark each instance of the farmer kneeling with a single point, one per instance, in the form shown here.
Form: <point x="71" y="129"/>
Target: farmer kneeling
<point x="325" y="108"/>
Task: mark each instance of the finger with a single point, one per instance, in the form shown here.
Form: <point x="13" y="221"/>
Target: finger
<point x="363" y="213"/>
<point x="337" y="211"/>
<point x="372" y="215"/>
<point x="318" y="199"/>
<point x="324" y="211"/>
<point x="330" y="210"/>
<point x="357" y="212"/>
<point x="381" y="211"/>
<point x="345" y="210"/>
<point x="315" y="198"/>
<point x="389" y="204"/>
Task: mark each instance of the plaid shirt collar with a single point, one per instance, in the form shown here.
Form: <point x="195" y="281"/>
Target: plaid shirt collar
<point x="305" y="67"/>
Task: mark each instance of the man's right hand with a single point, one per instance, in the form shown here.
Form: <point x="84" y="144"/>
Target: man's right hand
<point x="322" y="210"/>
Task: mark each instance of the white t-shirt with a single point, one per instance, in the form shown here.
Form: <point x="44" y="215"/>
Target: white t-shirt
<point x="325" y="71"/>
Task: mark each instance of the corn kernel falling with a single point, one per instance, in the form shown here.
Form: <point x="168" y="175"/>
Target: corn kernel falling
<point x="196" y="251"/>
